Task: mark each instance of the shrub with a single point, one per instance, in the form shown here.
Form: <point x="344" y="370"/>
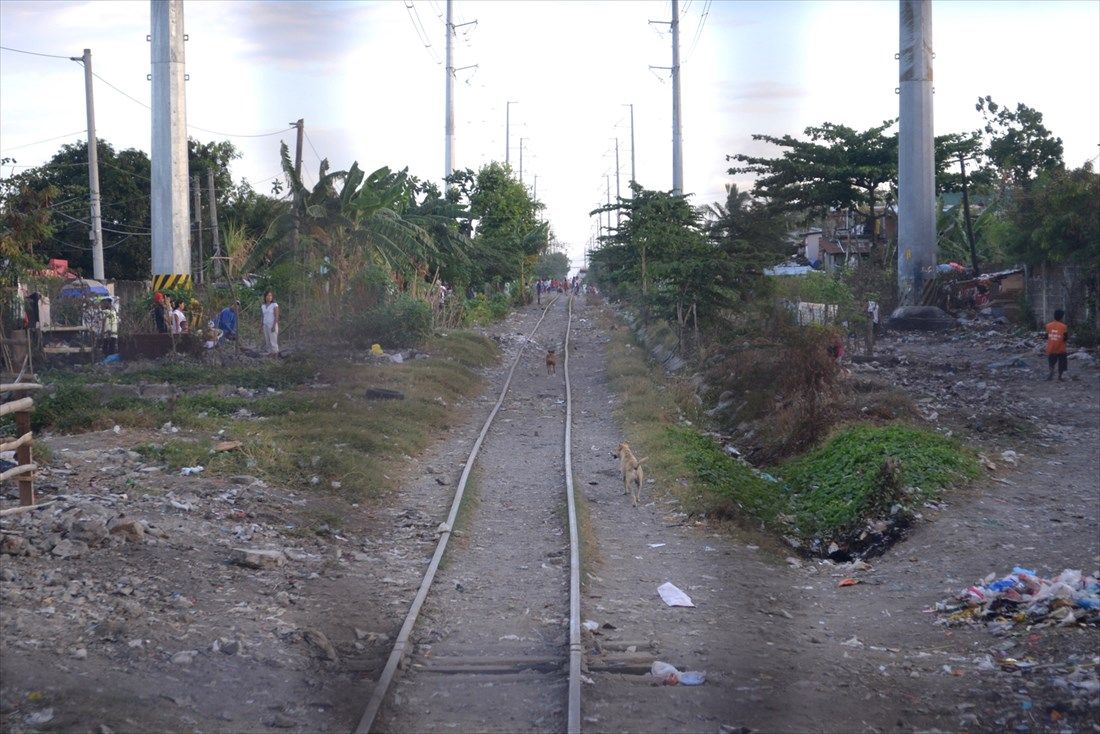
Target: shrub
<point x="401" y="322"/>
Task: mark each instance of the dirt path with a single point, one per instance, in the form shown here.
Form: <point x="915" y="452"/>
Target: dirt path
<point x="503" y="593"/>
<point x="786" y="649"/>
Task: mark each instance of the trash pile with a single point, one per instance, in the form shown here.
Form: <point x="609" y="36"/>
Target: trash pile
<point x="1024" y="598"/>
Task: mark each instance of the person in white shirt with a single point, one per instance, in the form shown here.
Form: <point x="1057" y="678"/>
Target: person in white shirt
<point x="179" y="319"/>
<point x="269" y="323"/>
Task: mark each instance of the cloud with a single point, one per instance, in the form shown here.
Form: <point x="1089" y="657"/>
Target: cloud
<point x="764" y="91"/>
<point x="315" y="35"/>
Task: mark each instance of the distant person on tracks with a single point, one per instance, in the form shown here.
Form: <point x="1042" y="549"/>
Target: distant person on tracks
<point x="227" y="321"/>
<point x="269" y="323"/>
<point x="1056" y="334"/>
<point x="179" y="319"/>
<point x="160" y="313"/>
<point x="109" y="327"/>
<point x="538" y="290"/>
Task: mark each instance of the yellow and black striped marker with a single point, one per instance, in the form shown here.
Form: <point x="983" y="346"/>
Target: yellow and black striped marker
<point x="172" y="282"/>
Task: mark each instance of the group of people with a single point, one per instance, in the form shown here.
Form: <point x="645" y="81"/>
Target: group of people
<point x="224" y="327"/>
<point x="553" y="285"/>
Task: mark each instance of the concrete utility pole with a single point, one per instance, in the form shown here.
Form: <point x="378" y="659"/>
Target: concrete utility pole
<point x="508" y="132"/>
<point x="607" y="178"/>
<point x="96" y="234"/>
<point x="196" y="218"/>
<point x="296" y="232"/>
<point x="633" y="170"/>
<point x="449" y="133"/>
<point x="521" y="160"/>
<point x="916" y="160"/>
<point x="618" y="188"/>
<point x="213" y="199"/>
<point x="677" y="131"/>
<point x="535" y="192"/>
<point x="171" y="236"/>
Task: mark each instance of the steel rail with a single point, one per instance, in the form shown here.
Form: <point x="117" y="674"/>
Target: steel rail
<point x="389" y="672"/>
<point x="576" y="644"/>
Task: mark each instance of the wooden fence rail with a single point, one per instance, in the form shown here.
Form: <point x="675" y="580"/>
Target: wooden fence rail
<point x="23" y="472"/>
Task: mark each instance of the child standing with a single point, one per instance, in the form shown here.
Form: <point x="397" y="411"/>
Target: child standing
<point x="269" y="323"/>
<point x="1057" y="333"/>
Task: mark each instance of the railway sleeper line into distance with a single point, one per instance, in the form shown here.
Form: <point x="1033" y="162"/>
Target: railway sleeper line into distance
<point x="525" y="552"/>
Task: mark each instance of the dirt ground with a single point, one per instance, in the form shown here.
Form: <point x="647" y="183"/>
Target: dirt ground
<point x="108" y="628"/>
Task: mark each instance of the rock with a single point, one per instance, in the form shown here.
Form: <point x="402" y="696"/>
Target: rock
<point x="226" y="646"/>
<point x="253" y="558"/>
<point x="38" y="718"/>
<point x="8" y="574"/>
<point x="442" y="481"/>
<point x="242" y="479"/>
<point x="13" y="545"/>
<point x="70" y="549"/>
<point x="111" y="629"/>
<point x="184" y="657"/>
<point x="80" y="653"/>
<point x="128" y="528"/>
<point x="282" y="598"/>
<point x="91" y="530"/>
<point x="318" y="639"/>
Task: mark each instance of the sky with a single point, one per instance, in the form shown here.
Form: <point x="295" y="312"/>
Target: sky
<point x="371" y="90"/>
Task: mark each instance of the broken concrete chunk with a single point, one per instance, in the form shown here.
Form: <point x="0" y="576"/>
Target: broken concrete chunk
<point x="253" y="558"/>
<point x="70" y="549"/>
<point x="129" y="528"/>
<point x="318" y="639"/>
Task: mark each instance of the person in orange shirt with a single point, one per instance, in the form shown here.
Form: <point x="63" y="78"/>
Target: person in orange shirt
<point x="1057" y="333"/>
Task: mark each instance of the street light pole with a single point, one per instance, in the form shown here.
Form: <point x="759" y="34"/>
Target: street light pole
<point x="508" y="132"/>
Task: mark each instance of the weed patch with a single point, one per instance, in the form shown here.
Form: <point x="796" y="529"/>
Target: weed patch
<point x="860" y="476"/>
<point x="851" y="476"/>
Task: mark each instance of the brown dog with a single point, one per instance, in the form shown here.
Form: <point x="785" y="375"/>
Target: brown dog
<point x="631" y="468"/>
<point x="551" y="362"/>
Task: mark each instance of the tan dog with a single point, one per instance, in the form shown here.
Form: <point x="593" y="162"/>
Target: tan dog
<point x="551" y="362"/>
<point x="631" y="468"/>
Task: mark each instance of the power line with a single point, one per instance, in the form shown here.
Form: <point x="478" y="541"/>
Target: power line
<point x="192" y="127"/>
<point x="38" y="142"/>
<point x="699" y="29"/>
<point x="421" y="31"/>
<point x="315" y="153"/>
<point x="35" y="53"/>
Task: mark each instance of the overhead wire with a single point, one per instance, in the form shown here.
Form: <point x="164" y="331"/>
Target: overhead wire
<point x="38" y="142"/>
<point x="699" y="29"/>
<point x="35" y="53"/>
<point x="192" y="127"/>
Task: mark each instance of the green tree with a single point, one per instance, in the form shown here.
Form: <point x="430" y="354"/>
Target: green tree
<point x="661" y="260"/>
<point x="751" y="234"/>
<point x="553" y="265"/>
<point x="837" y="167"/>
<point x="1058" y="219"/>
<point x="508" y="235"/>
<point x="1018" y="145"/>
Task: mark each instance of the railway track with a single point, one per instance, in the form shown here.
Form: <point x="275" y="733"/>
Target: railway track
<point x="493" y="682"/>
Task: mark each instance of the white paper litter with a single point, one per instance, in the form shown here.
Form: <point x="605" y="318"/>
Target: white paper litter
<point x="189" y="470"/>
<point x="673" y="596"/>
<point x="656" y="545"/>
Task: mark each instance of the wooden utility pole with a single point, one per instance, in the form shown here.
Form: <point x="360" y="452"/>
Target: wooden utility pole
<point x="213" y="199"/>
<point x="301" y="125"/>
<point x="966" y="216"/>
<point x="196" y="218"/>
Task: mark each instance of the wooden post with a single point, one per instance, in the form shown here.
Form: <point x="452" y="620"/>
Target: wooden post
<point x="23" y="456"/>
